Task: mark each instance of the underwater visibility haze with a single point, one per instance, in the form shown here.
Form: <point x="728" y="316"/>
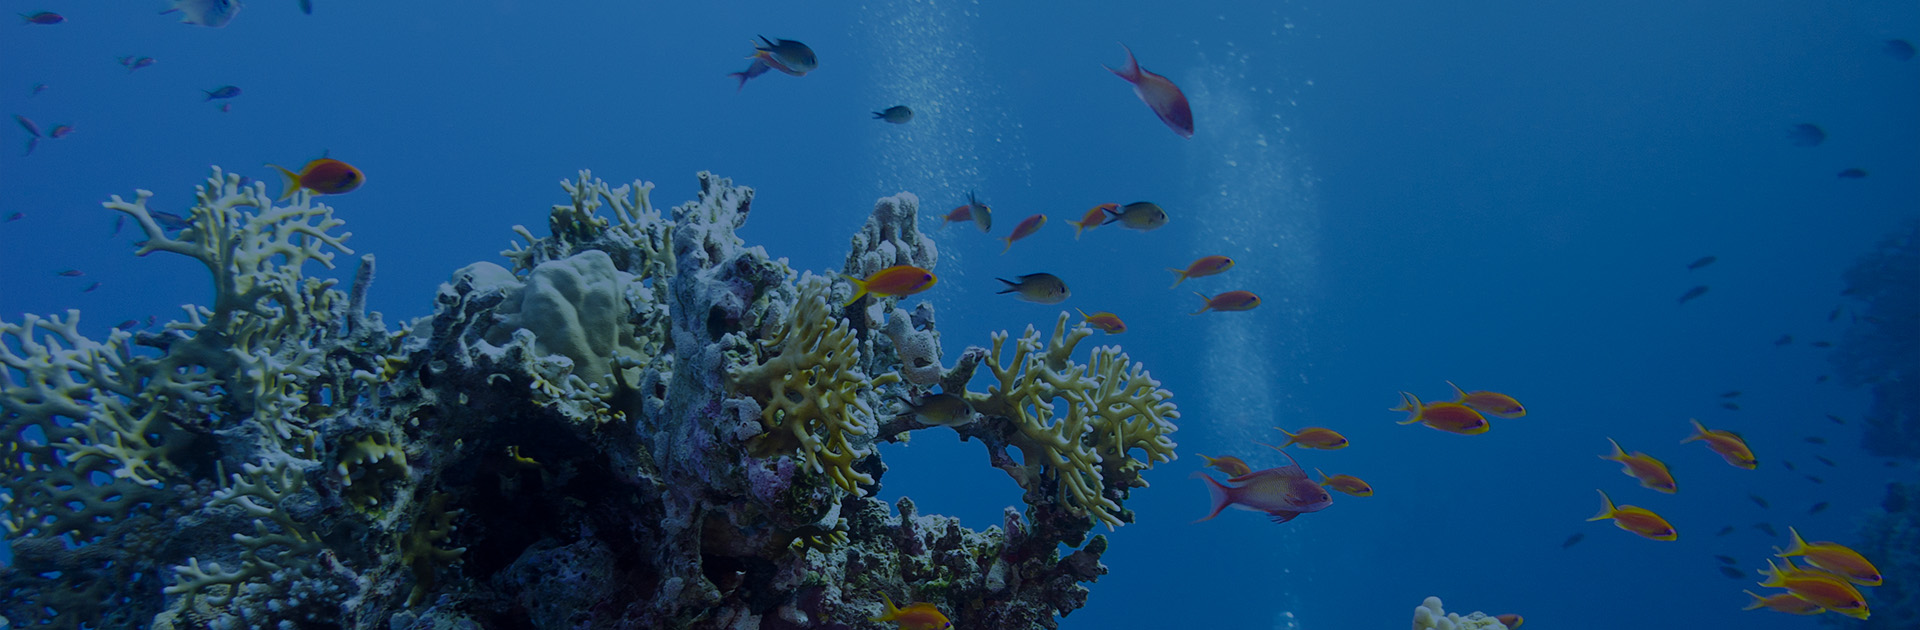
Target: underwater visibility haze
<point x="929" y="314"/>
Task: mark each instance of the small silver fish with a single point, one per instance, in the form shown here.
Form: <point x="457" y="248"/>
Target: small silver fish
<point x="941" y="409"/>
<point x="1139" y="215"/>
<point x="898" y="114"/>
<point x="1039" y="288"/>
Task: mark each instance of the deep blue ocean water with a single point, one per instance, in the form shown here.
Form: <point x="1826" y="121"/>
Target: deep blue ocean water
<point x="1505" y="195"/>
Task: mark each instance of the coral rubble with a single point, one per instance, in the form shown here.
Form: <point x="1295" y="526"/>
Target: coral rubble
<point x="638" y="422"/>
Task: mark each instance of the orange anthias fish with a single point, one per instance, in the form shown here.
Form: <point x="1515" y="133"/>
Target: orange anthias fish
<point x="1159" y="94"/>
<point x="1512" y="622"/>
<point x="1825" y="589"/>
<point x="916" y="616"/>
<point x="1106" y="322"/>
<point x="1345" y="483"/>
<point x="1727" y="443"/>
<point x="897" y="280"/>
<point x="1834" y="558"/>
<point x="1635" y="519"/>
<point x="1493" y="404"/>
<point x="323" y="176"/>
<point x="1445" y="416"/>
<point x="1201" y="268"/>
<point x="1651" y="472"/>
<point x="1784" y="602"/>
<point x="1314" y="437"/>
<point x="1025" y="229"/>
<point x="1282" y="493"/>
<point x="1233" y="466"/>
<point x="1229" y="301"/>
<point x="1093" y="219"/>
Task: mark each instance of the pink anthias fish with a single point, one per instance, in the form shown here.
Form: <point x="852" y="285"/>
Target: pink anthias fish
<point x="1282" y="493"/>
<point x="1160" y="94"/>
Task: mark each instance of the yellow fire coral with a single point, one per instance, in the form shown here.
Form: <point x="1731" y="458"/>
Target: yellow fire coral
<point x="809" y="391"/>
<point x="1112" y="407"/>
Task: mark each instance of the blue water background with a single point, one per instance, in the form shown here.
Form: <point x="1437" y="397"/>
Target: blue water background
<point x="1504" y="194"/>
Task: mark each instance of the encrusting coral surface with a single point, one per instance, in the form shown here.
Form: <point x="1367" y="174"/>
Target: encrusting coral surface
<point x="638" y="422"/>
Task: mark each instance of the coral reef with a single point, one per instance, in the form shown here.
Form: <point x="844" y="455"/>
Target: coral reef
<point x="1429" y="615"/>
<point x="1881" y="348"/>
<point x="638" y="422"/>
<point x="1886" y="539"/>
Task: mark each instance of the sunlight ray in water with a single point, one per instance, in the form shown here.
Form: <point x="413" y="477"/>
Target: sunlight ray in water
<point x="1254" y="205"/>
<point x="958" y="138"/>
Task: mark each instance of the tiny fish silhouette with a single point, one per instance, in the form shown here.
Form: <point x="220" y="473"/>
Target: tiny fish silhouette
<point x="127" y="325"/>
<point x="1815" y="439"/>
<point x="1822" y="344"/>
<point x="1766" y="527"/>
<point x="1836" y="419"/>
<point x="1821" y="379"/>
<point x="1573" y="540"/>
<point x="1727" y="560"/>
<point x="1807" y="135"/>
<point x="1899" y="49"/>
<point x="1731" y="406"/>
<point x="1814" y="479"/>
<point x="16" y="217"/>
<point x="1693" y="293"/>
<point x="1730" y="394"/>
<point x="1724" y="531"/>
<point x="1853" y="173"/>
<point x="1732" y="572"/>
<point x="90" y="288"/>
<point x="70" y="273"/>
<point x="1826" y="461"/>
<point x="1759" y="500"/>
<point x="224" y="91"/>
<point x="1702" y="262"/>
<point x="1817" y="508"/>
<point x="117" y="222"/>
<point x="1783" y="340"/>
<point x="1787" y="463"/>
<point x="1835" y="314"/>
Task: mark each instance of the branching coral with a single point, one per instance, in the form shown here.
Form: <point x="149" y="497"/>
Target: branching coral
<point x="810" y="390"/>
<point x="1111" y="408"/>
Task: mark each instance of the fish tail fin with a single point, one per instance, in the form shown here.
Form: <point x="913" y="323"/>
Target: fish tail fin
<point x="293" y="181"/>
<point x="31" y="143"/>
<point x="1457" y="391"/>
<point x="859" y="289"/>
<point x="1009" y="247"/>
<point x="890" y="612"/>
<point x="1758" y="601"/>
<point x="1410" y="404"/>
<point x="1699" y="431"/>
<point x="1208" y="303"/>
<point x="1178" y="272"/>
<point x="1011" y="286"/>
<point x="1291" y="438"/>
<point x="1323" y="476"/>
<point x="1216" y="493"/>
<point x="1619" y="454"/>
<point x="1796" y="548"/>
<point x="1607" y="510"/>
<point x="1078" y="227"/>
<point x="1131" y="71"/>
